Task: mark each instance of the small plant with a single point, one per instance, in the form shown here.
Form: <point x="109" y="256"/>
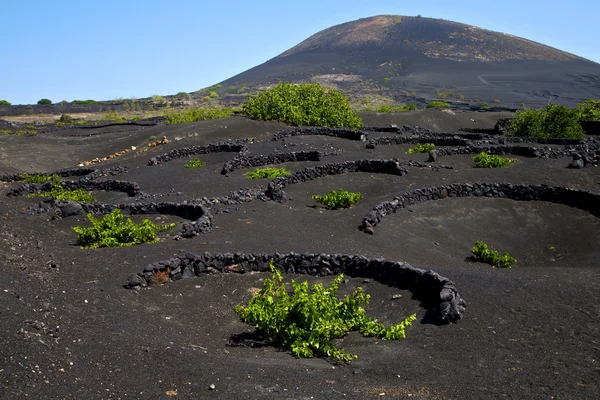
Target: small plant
<point x="554" y="121"/>
<point x="589" y="110"/>
<point x="446" y="94"/>
<point x="268" y="172"/>
<point x="113" y="230"/>
<point x="307" y="321"/>
<point x="485" y="107"/>
<point x="421" y="148"/>
<point x="485" y="160"/>
<point x="388" y="108"/>
<point x="59" y="193"/>
<point x="151" y="138"/>
<point x="44" y="101"/>
<point x="496" y="101"/>
<point x="492" y="257"/>
<point x="183" y="95"/>
<point x="40" y="178"/>
<point x="158" y="99"/>
<point x="195" y="163"/>
<point x="213" y="94"/>
<point x="4" y="103"/>
<point x="197" y="114"/>
<point x="304" y="104"/>
<point x="385" y="80"/>
<point x="65" y="119"/>
<point x="337" y="199"/>
<point x="438" y="104"/>
<point x="85" y="102"/>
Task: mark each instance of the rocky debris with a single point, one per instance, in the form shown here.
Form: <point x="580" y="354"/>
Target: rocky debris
<point x="585" y="200"/>
<point x="433" y="156"/>
<point x="235" y="146"/>
<point x="581" y="160"/>
<point x="436" y="292"/>
<point x="98" y="160"/>
<point x="245" y="161"/>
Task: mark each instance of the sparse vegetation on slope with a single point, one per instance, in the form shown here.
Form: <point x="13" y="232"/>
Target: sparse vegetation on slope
<point x="388" y="108"/>
<point x="262" y="173"/>
<point x="309" y="320"/>
<point x="113" y="230"/>
<point x="554" y="121"/>
<point x="197" y="114"/>
<point x="337" y="199"/>
<point x="485" y="160"/>
<point x="59" y="193"/>
<point x="492" y="257"/>
<point x="304" y="104"/>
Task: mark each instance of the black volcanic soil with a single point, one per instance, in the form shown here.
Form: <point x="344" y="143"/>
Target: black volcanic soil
<point x="70" y="330"/>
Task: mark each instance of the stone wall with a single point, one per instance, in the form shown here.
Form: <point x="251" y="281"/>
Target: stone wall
<point x="235" y="146"/>
<point x="335" y="132"/>
<point x="585" y="200"/>
<point x="436" y="293"/>
<point x="245" y="161"/>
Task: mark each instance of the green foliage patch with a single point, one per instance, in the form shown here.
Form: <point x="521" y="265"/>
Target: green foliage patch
<point x="305" y="104"/>
<point x="197" y="114"/>
<point x="268" y="172"/>
<point x="309" y="320"/>
<point x="4" y="103"/>
<point x="40" y="178"/>
<point x="86" y="102"/>
<point x="44" y="101"/>
<point x="492" y="257"/>
<point x="388" y="108"/>
<point x="113" y="230"/>
<point x="195" y="163"/>
<point x="59" y="193"/>
<point x="589" y="110"/>
<point x="421" y="148"/>
<point x="553" y="121"/>
<point x="485" y="160"/>
<point x="438" y="104"/>
<point x="337" y="199"/>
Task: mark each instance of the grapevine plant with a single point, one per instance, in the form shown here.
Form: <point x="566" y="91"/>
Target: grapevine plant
<point x="421" y="148"/>
<point x="485" y="160"/>
<point x="338" y="199"/>
<point x="307" y="321"/>
<point x="262" y="173"/>
<point x="492" y="257"/>
<point x="113" y="230"/>
<point x="195" y="163"/>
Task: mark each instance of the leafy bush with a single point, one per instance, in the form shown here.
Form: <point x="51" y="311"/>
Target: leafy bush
<point x="44" y="101"/>
<point x="485" y="160"/>
<point x="4" y="103"/>
<point x="338" y="199"/>
<point x="437" y="104"/>
<point x="492" y="257"/>
<point x="307" y="321"/>
<point x="151" y="138"/>
<point x="262" y="173"/>
<point x="158" y="99"/>
<point x="485" y="107"/>
<point x="85" y="102"/>
<point x="305" y="104"/>
<point x="59" y="193"/>
<point x="589" y="110"/>
<point x="555" y="121"/>
<point x="114" y="231"/>
<point x="197" y="114"/>
<point x="183" y="95"/>
<point x="213" y="94"/>
<point x="40" y="178"/>
<point x="195" y="163"/>
<point x="421" y="148"/>
<point x="65" y="119"/>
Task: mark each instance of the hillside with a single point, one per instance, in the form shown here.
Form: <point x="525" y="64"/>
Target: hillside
<point x="415" y="59"/>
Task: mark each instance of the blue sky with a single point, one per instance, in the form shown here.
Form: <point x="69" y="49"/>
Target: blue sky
<point x="103" y="50"/>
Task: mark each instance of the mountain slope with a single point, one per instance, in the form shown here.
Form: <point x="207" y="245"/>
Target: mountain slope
<point x="414" y="59"/>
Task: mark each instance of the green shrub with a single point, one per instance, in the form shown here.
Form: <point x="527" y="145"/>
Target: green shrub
<point x="385" y="80"/>
<point x="197" y="114"/>
<point x="112" y="116"/>
<point x="421" y="148"/>
<point x="151" y="138"/>
<point x="338" y="199"/>
<point x="44" y="101"/>
<point x="589" y="110"/>
<point x="85" y="102"/>
<point x="65" y="119"/>
<point x="114" y="231"/>
<point x="554" y="121"/>
<point x="213" y="94"/>
<point x="268" y="172"/>
<point x="158" y="99"/>
<point x="437" y="104"/>
<point x="40" y="178"/>
<point x="305" y="104"/>
<point x="4" y="103"/>
<point x="183" y="95"/>
<point x="59" y="193"/>
<point x="388" y="108"/>
<point x="485" y="107"/>
<point x="485" y="160"/>
<point x="492" y="257"/>
<point x="307" y="321"/>
<point x="195" y="163"/>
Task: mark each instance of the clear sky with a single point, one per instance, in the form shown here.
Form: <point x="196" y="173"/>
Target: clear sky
<point x="103" y="50"/>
